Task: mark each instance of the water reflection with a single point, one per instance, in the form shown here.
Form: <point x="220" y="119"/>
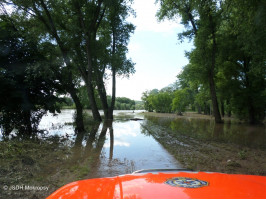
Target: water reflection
<point x="117" y="147"/>
<point x="106" y="149"/>
<point x="205" y="129"/>
<point x="126" y="150"/>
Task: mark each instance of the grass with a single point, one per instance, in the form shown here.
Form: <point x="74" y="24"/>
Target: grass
<point x="45" y="163"/>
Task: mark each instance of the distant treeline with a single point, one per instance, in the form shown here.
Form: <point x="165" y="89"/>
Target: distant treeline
<point x="178" y="98"/>
<point x="121" y="103"/>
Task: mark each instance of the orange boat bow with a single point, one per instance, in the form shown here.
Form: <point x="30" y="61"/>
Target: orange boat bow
<point x="195" y="185"/>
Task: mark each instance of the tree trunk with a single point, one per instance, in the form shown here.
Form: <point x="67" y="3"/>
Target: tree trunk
<point x="95" y="112"/>
<point x="88" y="46"/>
<point x="102" y="93"/>
<point x="89" y="85"/>
<point x="79" y="109"/>
<point x="251" y="113"/>
<point x="27" y="122"/>
<point x="229" y="112"/>
<point x="53" y="31"/>
<point x="111" y="108"/>
<point x="215" y="106"/>
<point x="205" y="109"/>
<point x="111" y="143"/>
<point x="199" y="109"/>
<point x="251" y="110"/>
<point x="222" y="108"/>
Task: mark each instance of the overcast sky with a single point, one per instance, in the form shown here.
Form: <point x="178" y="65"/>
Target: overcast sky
<point x="155" y="49"/>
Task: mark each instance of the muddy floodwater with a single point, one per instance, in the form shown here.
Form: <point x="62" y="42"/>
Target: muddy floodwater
<point x="133" y="141"/>
<point x="124" y="148"/>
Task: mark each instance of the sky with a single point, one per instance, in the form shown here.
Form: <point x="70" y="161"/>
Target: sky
<point x="156" y="50"/>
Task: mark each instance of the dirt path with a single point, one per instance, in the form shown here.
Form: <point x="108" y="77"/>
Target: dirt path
<point x="207" y="155"/>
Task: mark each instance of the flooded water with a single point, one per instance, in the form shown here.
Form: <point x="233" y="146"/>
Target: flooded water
<point x="131" y="150"/>
<point x="58" y="155"/>
<point x="206" y="129"/>
<point x="125" y="148"/>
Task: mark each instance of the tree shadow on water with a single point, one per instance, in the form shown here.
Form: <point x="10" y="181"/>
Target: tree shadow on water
<point x="52" y="162"/>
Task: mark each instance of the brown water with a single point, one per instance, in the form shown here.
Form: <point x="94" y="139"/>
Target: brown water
<point x="206" y="129"/>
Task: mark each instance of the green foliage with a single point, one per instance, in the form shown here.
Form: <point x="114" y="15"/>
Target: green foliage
<point x="66" y="103"/>
<point x="147" y="101"/>
<point x="181" y="100"/>
<point x="27" y="86"/>
<point x="228" y="58"/>
<point x="139" y="105"/>
<point x="123" y="103"/>
<point x="159" y="101"/>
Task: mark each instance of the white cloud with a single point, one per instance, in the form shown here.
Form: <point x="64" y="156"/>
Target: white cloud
<point x="134" y="46"/>
<point x="154" y="49"/>
<point x="146" y="18"/>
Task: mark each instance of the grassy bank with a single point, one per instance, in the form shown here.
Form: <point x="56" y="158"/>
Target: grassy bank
<point x="202" y="154"/>
<point x="48" y="164"/>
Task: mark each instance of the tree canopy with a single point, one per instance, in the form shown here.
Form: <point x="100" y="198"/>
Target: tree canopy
<point x="73" y="42"/>
<point x="226" y="68"/>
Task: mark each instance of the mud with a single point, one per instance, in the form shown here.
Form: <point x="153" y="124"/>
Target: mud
<point x="201" y="152"/>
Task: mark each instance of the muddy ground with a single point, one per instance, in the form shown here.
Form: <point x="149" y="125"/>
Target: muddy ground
<point x="207" y="155"/>
<point x="40" y="164"/>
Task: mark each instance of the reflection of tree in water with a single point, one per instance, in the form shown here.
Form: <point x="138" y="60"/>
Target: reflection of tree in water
<point x="205" y="129"/>
<point x="88" y="147"/>
<point x="51" y="161"/>
<point x="106" y="165"/>
<point x="88" y="151"/>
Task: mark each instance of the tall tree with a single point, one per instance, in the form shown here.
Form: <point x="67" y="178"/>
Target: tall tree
<point x="40" y="17"/>
<point x="27" y="85"/>
<point x="201" y="19"/>
<point x="243" y="57"/>
<point x="119" y="64"/>
<point x="75" y="27"/>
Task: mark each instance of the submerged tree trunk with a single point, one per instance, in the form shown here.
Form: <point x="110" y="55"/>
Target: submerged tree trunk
<point x="89" y="85"/>
<point x="50" y="25"/>
<point x="79" y="109"/>
<point x="251" y="110"/>
<point x="206" y="109"/>
<point x="102" y="93"/>
<point x="215" y="106"/>
<point x="108" y="109"/>
<point x="229" y="112"/>
<point x="199" y="109"/>
<point x="90" y="35"/>
<point x="95" y="112"/>
<point x="251" y="113"/>
<point x="222" y="107"/>
<point x="111" y="142"/>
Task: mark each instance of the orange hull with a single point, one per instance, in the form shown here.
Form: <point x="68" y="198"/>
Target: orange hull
<point x="184" y="185"/>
